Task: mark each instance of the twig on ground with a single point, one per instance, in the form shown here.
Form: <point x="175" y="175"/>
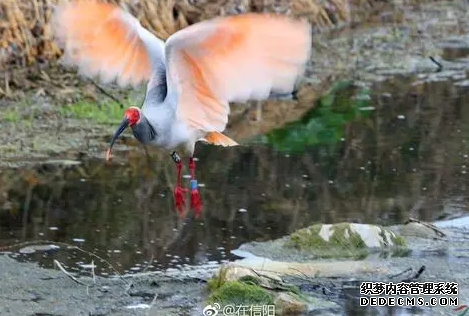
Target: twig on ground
<point x="128" y="287"/>
<point x="98" y="257"/>
<point x="152" y="303"/>
<point x="92" y="271"/>
<point x="61" y="268"/>
<point x="3" y="248"/>
<point x="399" y="273"/>
<point x="305" y="277"/>
<point x="431" y="226"/>
<point x="313" y="287"/>
<point x="107" y="94"/>
<point x="416" y="276"/>
<point x="440" y="66"/>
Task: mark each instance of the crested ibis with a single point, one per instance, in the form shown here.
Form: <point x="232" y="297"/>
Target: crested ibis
<point x="191" y="77"/>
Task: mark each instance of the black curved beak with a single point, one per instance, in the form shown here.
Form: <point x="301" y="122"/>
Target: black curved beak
<point x="123" y="125"/>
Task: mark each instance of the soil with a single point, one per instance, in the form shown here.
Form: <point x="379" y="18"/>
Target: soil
<point x="28" y="289"/>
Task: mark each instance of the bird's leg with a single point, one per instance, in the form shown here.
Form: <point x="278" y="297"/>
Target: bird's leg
<point x="195" y="201"/>
<point x="179" y="190"/>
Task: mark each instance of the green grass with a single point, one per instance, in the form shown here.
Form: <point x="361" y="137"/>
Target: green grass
<point x="240" y="293"/>
<point x="104" y="112"/>
<point x="337" y="246"/>
<point x="340" y="246"/>
<point x="10" y="115"/>
<point x="246" y="290"/>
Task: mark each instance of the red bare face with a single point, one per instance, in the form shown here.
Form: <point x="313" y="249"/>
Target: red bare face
<point x="133" y="115"/>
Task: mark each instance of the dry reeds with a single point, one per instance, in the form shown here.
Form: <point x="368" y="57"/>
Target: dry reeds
<point x="27" y="45"/>
<point x="26" y="34"/>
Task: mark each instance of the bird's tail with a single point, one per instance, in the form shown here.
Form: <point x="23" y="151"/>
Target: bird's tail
<point x="216" y="138"/>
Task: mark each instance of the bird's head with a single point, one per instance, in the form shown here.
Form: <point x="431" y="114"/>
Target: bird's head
<point x="132" y="116"/>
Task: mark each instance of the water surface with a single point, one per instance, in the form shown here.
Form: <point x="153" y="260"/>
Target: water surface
<point x="409" y="158"/>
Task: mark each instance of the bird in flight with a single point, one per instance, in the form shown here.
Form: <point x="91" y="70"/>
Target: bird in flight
<point x="191" y="77"/>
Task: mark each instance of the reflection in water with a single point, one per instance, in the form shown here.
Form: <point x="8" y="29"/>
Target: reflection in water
<point x="409" y="158"/>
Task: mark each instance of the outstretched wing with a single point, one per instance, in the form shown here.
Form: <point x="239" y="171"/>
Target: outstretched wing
<point x="233" y="58"/>
<point x="103" y="39"/>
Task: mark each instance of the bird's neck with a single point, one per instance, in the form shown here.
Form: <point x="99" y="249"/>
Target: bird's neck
<point x="143" y="130"/>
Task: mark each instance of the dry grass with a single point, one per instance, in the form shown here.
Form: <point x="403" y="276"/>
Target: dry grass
<point x="26" y="35"/>
<point x="27" y="47"/>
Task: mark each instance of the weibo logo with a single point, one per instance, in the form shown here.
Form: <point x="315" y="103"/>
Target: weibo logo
<point x="211" y="310"/>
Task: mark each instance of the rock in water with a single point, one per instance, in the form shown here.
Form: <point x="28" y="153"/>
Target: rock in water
<point x="238" y="284"/>
<point x="344" y="239"/>
<point x="286" y="304"/>
<point x="414" y="228"/>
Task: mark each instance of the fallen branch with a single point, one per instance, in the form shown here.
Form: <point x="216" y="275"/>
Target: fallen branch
<point x="416" y="276"/>
<point x="107" y="94"/>
<point x="400" y="273"/>
<point x="152" y="303"/>
<point x="429" y="225"/>
<point x="92" y="271"/>
<point x="3" y="248"/>
<point x="440" y="66"/>
<point x="61" y="268"/>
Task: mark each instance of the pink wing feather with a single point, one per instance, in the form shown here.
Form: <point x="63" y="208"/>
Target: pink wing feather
<point x="103" y="39"/>
<point x="209" y="64"/>
<point x="235" y="58"/>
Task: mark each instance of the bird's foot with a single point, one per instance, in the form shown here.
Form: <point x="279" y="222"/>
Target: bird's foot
<point x="195" y="201"/>
<point x="179" y="200"/>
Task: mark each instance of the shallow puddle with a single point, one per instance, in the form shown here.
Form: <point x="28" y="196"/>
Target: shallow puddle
<point x="409" y="158"/>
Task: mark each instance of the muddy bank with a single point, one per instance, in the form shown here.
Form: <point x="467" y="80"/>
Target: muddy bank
<point x="30" y="290"/>
<point x="440" y="253"/>
<point x="332" y="285"/>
